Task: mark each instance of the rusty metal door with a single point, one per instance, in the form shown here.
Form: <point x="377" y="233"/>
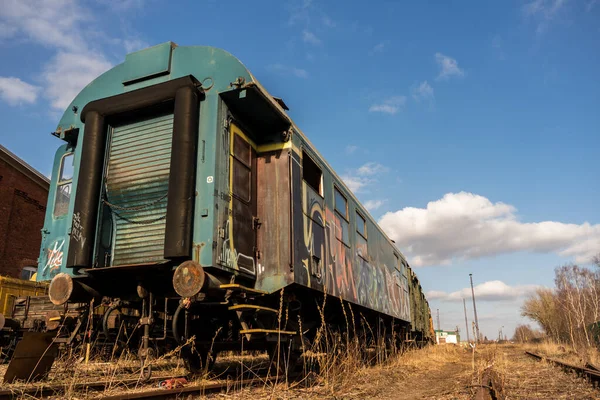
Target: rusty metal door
<point x="240" y="239"/>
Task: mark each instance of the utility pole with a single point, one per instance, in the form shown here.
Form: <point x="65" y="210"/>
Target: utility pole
<point x="438" y="319"/>
<point x="466" y="322"/>
<point x="474" y="310"/>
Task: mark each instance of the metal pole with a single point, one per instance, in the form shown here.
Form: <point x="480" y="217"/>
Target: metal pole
<point x="438" y="319"/>
<point x="466" y="322"/>
<point x="474" y="309"/>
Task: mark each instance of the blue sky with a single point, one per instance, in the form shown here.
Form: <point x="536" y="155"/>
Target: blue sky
<point x="471" y="132"/>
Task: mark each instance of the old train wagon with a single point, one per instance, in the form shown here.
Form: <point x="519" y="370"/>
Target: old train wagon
<point x="184" y="187"/>
<point x="12" y="288"/>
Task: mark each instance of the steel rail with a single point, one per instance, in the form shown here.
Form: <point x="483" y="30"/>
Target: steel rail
<point x="591" y="374"/>
<point x="40" y="391"/>
<point x="198" y="389"/>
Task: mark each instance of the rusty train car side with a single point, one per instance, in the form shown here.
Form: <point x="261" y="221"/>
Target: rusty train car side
<point x="184" y="191"/>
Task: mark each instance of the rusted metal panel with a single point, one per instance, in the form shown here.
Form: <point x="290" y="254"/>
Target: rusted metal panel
<point x="33" y="358"/>
<point x="137" y="184"/>
<point x="274" y="234"/>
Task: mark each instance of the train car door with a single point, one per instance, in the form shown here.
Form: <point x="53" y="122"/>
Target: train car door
<point x="242" y="209"/>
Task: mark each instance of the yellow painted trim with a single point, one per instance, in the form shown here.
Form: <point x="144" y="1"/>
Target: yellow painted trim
<point x="237" y="286"/>
<point x="268" y="331"/>
<point x="238" y="131"/>
<point x="274" y="147"/>
<point x="55" y="319"/>
<point x="242" y="307"/>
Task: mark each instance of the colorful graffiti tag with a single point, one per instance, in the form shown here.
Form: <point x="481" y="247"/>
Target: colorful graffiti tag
<point x="54" y="257"/>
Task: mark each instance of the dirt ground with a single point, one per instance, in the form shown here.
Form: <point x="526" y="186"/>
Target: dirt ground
<point x="437" y="372"/>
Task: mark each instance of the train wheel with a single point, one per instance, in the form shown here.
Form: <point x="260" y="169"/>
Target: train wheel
<point x="283" y="357"/>
<point x="198" y="361"/>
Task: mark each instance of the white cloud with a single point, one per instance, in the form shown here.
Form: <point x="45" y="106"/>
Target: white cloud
<point x="328" y="22"/>
<point x="122" y="5"/>
<point x="373" y="204"/>
<point x="363" y="176"/>
<point x="350" y="149"/>
<point x="355" y="183"/>
<point x="74" y="34"/>
<point x="544" y="11"/>
<point x="287" y="70"/>
<point x="378" y="48"/>
<point x="487" y="291"/>
<point x="67" y="73"/>
<point x="310" y="37"/>
<point x="469" y="226"/>
<point x="14" y="91"/>
<point x="423" y="92"/>
<point x="132" y="45"/>
<point x="448" y="67"/>
<point x="371" y="168"/>
<point x="50" y="23"/>
<point x="389" y="106"/>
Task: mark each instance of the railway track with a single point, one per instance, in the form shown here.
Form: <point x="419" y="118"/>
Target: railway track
<point x="201" y="389"/>
<point x="592" y="374"/>
<point x="45" y="391"/>
<point x="41" y="391"/>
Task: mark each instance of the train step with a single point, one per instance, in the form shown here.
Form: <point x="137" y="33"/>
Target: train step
<point x="236" y="287"/>
<point x="252" y="308"/>
<point x="261" y="332"/>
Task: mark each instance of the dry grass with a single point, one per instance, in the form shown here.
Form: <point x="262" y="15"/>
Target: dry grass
<point x="566" y="353"/>
<point x="522" y="377"/>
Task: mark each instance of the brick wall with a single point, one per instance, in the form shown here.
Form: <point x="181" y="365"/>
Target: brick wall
<point x="22" y="211"/>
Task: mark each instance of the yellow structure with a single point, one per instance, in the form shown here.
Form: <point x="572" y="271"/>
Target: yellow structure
<point x="11" y="288"/>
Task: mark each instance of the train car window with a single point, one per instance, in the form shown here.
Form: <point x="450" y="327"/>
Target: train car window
<point x="66" y="168"/>
<point x="361" y="225"/>
<point x="361" y="236"/>
<point x="63" y="186"/>
<point x="242" y="168"/>
<point x="341" y="204"/>
<point x="312" y="174"/>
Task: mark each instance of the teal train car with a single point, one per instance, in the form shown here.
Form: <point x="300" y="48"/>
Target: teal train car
<point x="187" y="201"/>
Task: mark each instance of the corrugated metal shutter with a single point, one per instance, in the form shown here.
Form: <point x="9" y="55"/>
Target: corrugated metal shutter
<point x="137" y="184"/>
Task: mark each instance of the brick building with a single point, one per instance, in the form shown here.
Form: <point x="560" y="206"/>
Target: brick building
<point x="23" y="196"/>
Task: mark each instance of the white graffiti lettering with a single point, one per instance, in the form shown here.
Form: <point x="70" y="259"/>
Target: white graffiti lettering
<point x="54" y="257"/>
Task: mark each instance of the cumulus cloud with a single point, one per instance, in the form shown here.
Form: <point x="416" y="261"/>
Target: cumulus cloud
<point x="543" y="11"/>
<point x="487" y="291"/>
<point x="448" y="67"/>
<point x="463" y="226"/>
<point x="288" y="70"/>
<point x="363" y="176"/>
<point x="378" y="48"/>
<point x="350" y="149"/>
<point x="310" y="37"/>
<point x="371" y="168"/>
<point x="72" y="32"/>
<point x="423" y="92"/>
<point x="389" y="106"/>
<point x="373" y="204"/>
<point x="48" y="23"/>
<point x="14" y="91"/>
<point x="68" y="72"/>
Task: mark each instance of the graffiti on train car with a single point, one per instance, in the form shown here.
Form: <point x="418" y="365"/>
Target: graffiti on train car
<point x="54" y="257"/>
<point x="329" y="263"/>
